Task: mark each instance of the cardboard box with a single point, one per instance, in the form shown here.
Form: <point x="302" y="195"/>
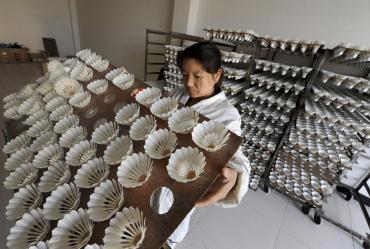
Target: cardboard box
<point x="12" y="55"/>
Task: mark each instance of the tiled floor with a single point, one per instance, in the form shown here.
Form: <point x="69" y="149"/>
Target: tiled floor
<point x="271" y="221"/>
<point x="262" y="221"/>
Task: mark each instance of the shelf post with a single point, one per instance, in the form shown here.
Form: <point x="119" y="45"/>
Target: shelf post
<point x="319" y="62"/>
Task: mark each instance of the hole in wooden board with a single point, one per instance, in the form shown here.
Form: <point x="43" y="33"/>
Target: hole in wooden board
<point x="91" y="112"/>
<point x="110" y="98"/>
<point x="161" y="200"/>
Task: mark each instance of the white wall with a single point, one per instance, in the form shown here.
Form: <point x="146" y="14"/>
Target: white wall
<point x="181" y="12"/>
<point x="332" y="20"/>
<point x="185" y="14"/>
<point x="27" y="21"/>
<point x="116" y="28"/>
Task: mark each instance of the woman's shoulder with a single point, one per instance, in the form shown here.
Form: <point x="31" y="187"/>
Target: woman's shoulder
<point x="218" y="108"/>
<point x="228" y="107"/>
<point x="231" y="118"/>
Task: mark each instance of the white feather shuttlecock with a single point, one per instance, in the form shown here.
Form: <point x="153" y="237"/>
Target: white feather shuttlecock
<point x="61" y="112"/>
<point x="135" y="170"/>
<point x="83" y="54"/>
<point x="142" y="127"/>
<point x="22" y="156"/>
<point x="183" y="120"/>
<point x="98" y="86"/>
<point x="40" y="245"/>
<point x="73" y="136"/>
<point x="163" y="108"/>
<point x="80" y="153"/>
<point x="27" y="90"/>
<point x="210" y="135"/>
<point x="30" y="229"/>
<point x="10" y="97"/>
<point x="55" y="103"/>
<point x="62" y="200"/>
<point x="160" y="144"/>
<point x="37" y="116"/>
<point x="54" y="65"/>
<point x="80" y="100"/>
<point x="67" y="87"/>
<point x="81" y="72"/>
<point x="19" y="142"/>
<point x="51" y="95"/>
<point x="113" y="73"/>
<point x="43" y="140"/>
<point x="93" y="246"/>
<point x="100" y="65"/>
<point x="106" y="200"/>
<point x="105" y="133"/>
<point x="44" y="88"/>
<point x="57" y="174"/>
<point x="14" y="103"/>
<point x="12" y="113"/>
<point x="39" y="127"/>
<point x="124" y="81"/>
<point x="118" y="150"/>
<point x="30" y="105"/>
<point x="186" y="164"/>
<point x="23" y="175"/>
<point x="48" y="155"/>
<point x="73" y="231"/>
<point x="25" y="199"/>
<point x="148" y="96"/>
<point x="92" y="173"/>
<point x="66" y="123"/>
<point x="126" y="230"/>
<point x="128" y="114"/>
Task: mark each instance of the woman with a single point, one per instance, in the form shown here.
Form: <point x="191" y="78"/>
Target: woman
<point x="202" y="79"/>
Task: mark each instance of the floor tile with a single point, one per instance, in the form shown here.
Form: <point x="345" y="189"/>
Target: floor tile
<point x="199" y="215"/>
<point x="237" y="227"/>
<point x="285" y="240"/>
<point x="199" y="239"/>
<point x="271" y="204"/>
<point x="338" y="209"/>
<point x="323" y="236"/>
<point x="357" y="244"/>
<point x="357" y="218"/>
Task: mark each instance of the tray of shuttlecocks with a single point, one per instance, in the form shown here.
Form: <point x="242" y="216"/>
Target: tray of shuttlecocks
<point x="101" y="160"/>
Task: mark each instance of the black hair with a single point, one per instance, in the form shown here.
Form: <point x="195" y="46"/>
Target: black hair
<point x="207" y="54"/>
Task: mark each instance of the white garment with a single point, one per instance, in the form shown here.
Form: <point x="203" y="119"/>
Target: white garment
<point x="218" y="108"/>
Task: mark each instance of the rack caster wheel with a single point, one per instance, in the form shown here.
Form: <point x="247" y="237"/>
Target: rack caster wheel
<point x="266" y="189"/>
<point x="317" y="219"/>
<point x="348" y="197"/>
<point x="366" y="245"/>
<point x="346" y="193"/>
<point x="305" y="209"/>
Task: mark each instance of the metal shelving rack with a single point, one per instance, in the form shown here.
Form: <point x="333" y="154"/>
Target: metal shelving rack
<point x="155" y="42"/>
<point x="325" y="127"/>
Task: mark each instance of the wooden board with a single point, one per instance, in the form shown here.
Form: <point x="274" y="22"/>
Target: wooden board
<point x="159" y="227"/>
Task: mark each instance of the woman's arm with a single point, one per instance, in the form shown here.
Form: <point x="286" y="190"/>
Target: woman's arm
<point x="233" y="182"/>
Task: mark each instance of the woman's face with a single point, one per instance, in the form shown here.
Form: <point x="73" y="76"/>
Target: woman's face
<point x="197" y="81"/>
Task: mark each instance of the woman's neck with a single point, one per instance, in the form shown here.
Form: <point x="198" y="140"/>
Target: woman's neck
<point x="192" y="101"/>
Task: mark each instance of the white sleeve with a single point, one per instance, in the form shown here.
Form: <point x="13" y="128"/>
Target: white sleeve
<point x="241" y="164"/>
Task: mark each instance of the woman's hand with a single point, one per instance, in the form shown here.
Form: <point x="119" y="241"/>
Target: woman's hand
<point x="219" y="190"/>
